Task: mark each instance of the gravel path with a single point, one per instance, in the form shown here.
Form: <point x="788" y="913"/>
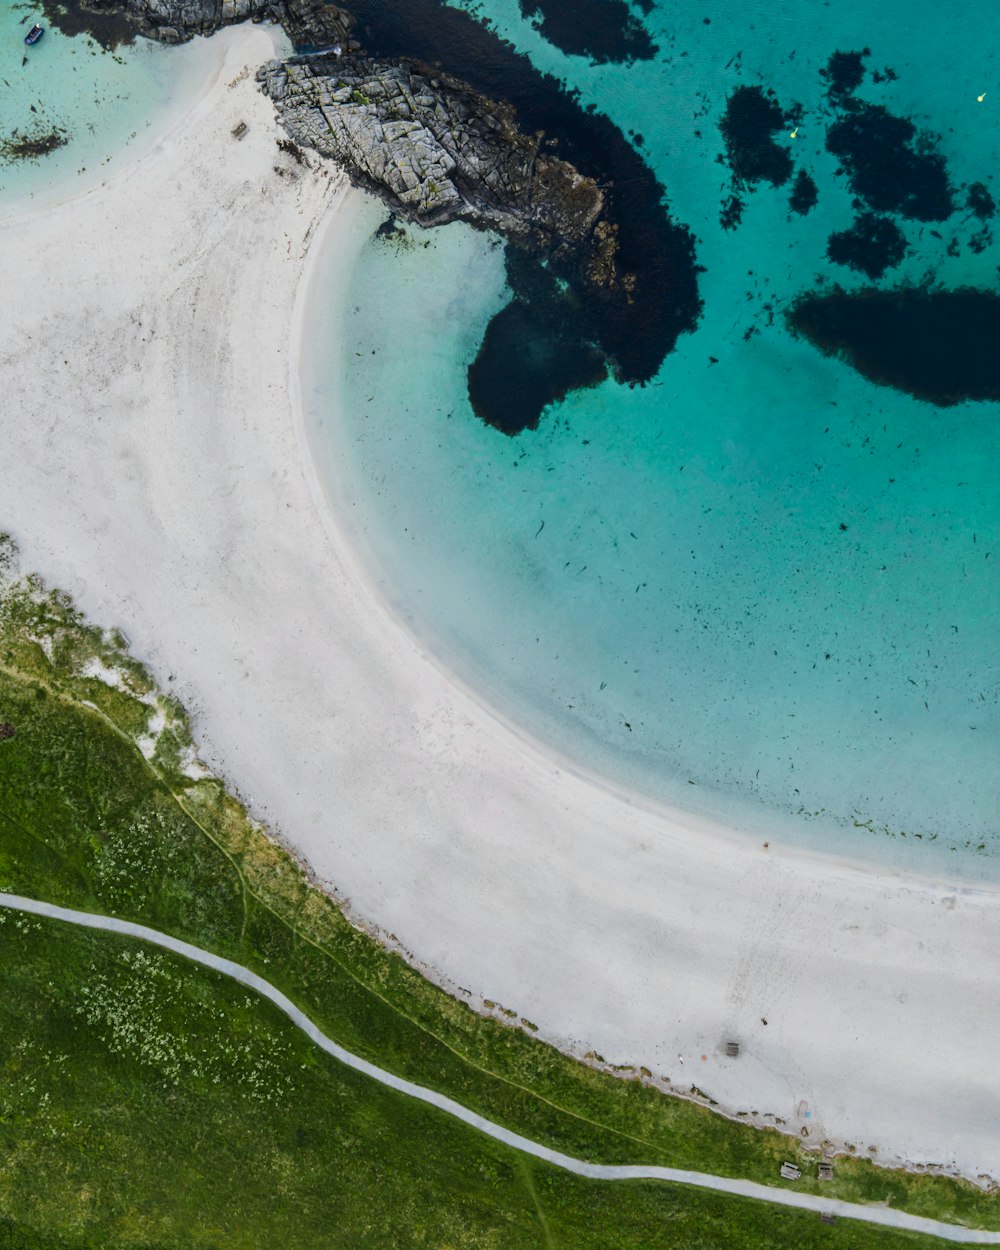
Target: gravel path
<point x="598" y="1171"/>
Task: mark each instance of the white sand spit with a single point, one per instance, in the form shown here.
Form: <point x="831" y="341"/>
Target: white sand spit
<point x="153" y="466"/>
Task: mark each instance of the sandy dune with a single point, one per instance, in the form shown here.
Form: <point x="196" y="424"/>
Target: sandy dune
<point x="154" y="466"/>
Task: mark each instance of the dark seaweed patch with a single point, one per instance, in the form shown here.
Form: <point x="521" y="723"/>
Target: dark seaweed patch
<point x="603" y="30"/>
<point x="885" y="75"/>
<point x="389" y="229"/>
<point x="979" y="201"/>
<point x="732" y="212"/>
<point x="636" y="318"/>
<point x="871" y="246"/>
<point x="31" y="147"/>
<point x="636" y="323"/>
<point x="292" y="149"/>
<point x="889" y="165"/>
<point x="535" y="351"/>
<point x="526" y="362"/>
<point x="804" y="195"/>
<point x="844" y="73"/>
<point x="753" y="117"/>
<point x="107" y="26"/>
<point x="940" y="346"/>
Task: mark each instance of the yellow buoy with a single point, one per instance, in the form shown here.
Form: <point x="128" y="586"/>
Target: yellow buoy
<point x="981" y="98"/>
<point x="796" y="130"/>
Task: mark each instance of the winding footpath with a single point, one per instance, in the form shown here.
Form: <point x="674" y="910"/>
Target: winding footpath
<point x="596" y="1171"/>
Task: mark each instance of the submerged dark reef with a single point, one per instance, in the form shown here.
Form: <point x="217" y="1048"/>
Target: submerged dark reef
<point x="752" y="119"/>
<point x="891" y="167"/>
<point x="629" y="290"/>
<point x="107" y="24"/>
<point x="939" y="346"/>
<point x="603" y="30"/>
<point x="979" y="202"/>
<point x="844" y="73"/>
<point x="755" y="133"/>
<point x="895" y="171"/>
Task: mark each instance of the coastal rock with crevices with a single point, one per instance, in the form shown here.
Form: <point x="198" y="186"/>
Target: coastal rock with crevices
<point x="307" y="22"/>
<point x="431" y="147"/>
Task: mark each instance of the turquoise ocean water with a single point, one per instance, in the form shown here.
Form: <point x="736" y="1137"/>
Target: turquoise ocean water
<point x="760" y="589"/>
<point x="763" y="588"/>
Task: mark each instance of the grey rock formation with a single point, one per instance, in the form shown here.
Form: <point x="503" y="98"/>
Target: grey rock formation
<point x="176" y="21"/>
<point x="431" y="147"/>
<point x="428" y="144"/>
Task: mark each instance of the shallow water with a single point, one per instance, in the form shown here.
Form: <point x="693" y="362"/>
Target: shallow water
<point x="762" y="587"/>
<point x="104" y="106"/>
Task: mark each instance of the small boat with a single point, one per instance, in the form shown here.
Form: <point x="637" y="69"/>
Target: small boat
<point x="33" y="35"/>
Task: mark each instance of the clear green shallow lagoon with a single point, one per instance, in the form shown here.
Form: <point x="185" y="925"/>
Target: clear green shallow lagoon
<point x="761" y="588"/>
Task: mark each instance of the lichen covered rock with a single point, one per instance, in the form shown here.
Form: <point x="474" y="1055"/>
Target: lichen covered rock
<point x="177" y="21"/>
<point x="431" y="147"/>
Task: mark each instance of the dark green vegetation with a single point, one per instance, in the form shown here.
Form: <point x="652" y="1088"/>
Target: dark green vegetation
<point x="940" y="346"/>
<point x="149" y="1103"/>
<point x="145" y="1102"/>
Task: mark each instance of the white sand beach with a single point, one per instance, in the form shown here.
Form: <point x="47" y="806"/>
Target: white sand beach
<point x="155" y="466"/>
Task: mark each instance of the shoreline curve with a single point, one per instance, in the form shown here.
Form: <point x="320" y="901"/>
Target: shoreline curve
<point x="885" y="1216"/>
<point x="157" y="474"/>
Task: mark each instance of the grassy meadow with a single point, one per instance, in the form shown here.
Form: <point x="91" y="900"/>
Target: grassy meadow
<point x="145" y="1102"/>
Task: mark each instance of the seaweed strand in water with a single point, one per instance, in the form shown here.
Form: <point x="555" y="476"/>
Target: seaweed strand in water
<point x="31" y="147"/>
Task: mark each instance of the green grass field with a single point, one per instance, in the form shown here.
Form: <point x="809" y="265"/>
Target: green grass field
<point x="152" y="1104"/>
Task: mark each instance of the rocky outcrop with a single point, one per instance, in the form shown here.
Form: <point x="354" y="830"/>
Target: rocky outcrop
<point x="431" y="147"/>
<point x="307" y="22"/>
<point x="583" y="208"/>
